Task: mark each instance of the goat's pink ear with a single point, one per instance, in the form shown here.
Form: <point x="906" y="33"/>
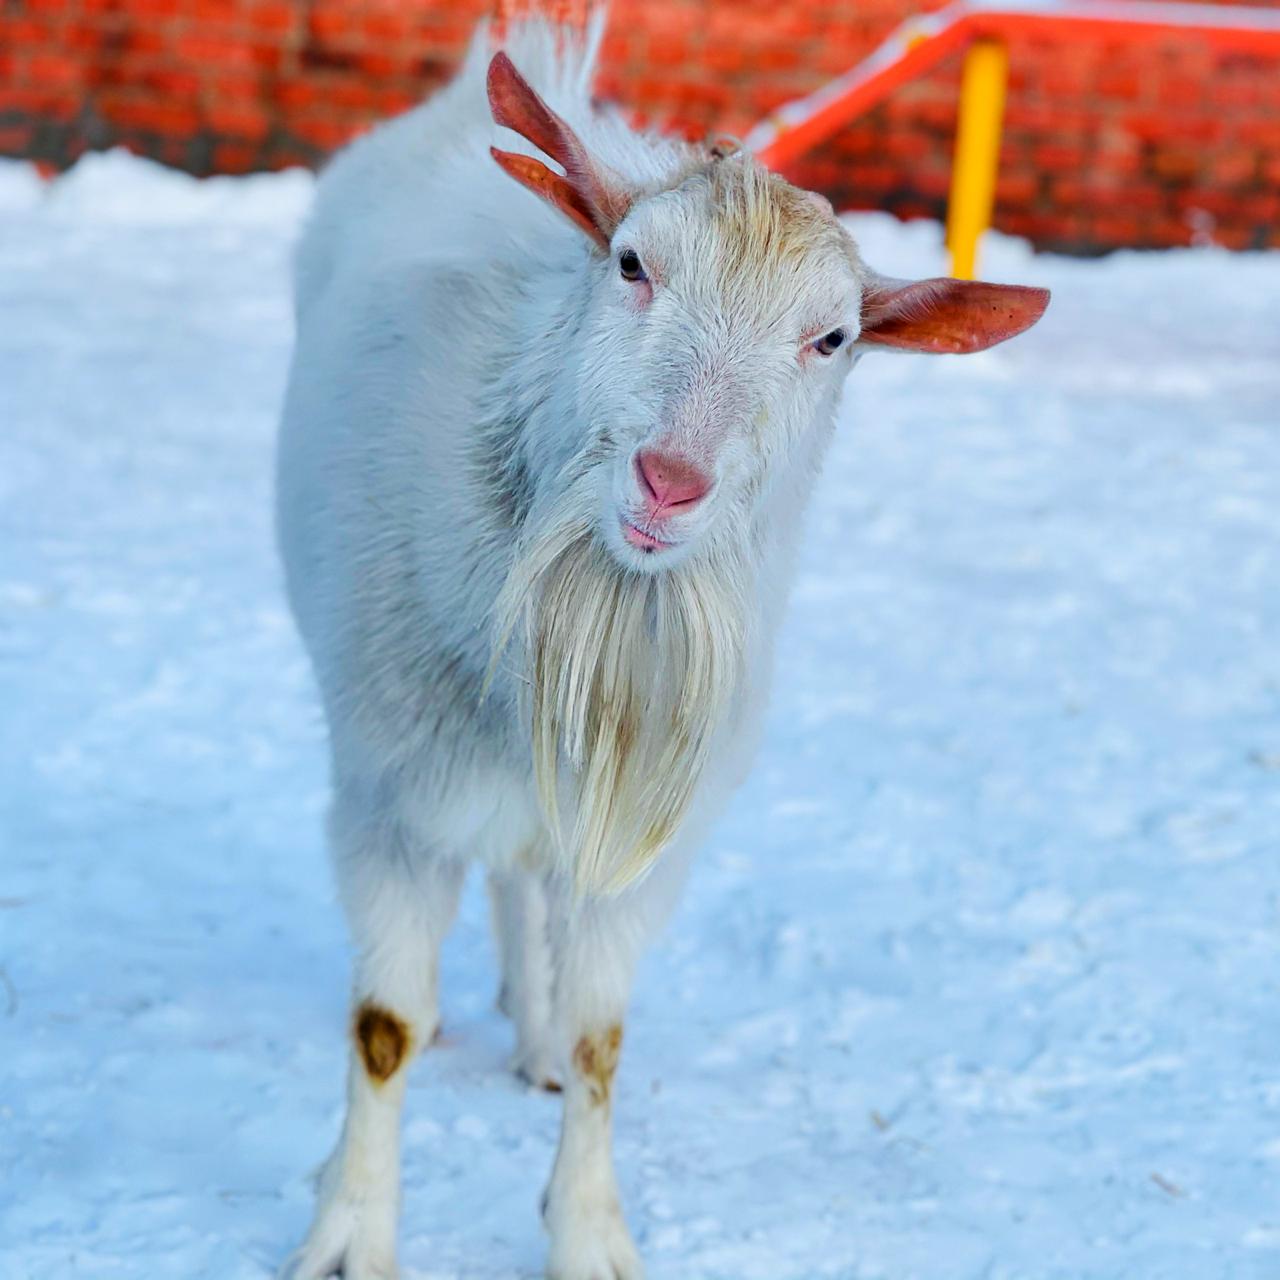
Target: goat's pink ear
<point x="945" y="315"/>
<point x="587" y="192"/>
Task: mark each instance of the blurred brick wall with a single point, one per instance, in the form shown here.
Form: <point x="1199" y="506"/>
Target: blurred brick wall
<point x="1104" y="146"/>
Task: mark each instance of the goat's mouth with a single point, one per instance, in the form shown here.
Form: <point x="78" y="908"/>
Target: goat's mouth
<point x="642" y="539"/>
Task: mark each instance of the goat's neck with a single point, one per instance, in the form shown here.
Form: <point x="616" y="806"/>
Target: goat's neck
<point x="539" y="378"/>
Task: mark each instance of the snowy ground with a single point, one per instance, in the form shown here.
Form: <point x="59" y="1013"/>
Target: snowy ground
<point x="977" y="979"/>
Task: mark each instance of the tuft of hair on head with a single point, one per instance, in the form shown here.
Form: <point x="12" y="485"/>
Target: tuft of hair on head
<point x="763" y="223"/>
<point x="627" y="680"/>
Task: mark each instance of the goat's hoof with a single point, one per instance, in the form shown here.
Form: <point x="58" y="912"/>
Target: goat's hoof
<point x="592" y="1246"/>
<point x="536" y="1068"/>
<point x="341" y="1244"/>
<point x="349" y="1265"/>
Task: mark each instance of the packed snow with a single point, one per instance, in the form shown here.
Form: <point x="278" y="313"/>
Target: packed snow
<point x="977" y="978"/>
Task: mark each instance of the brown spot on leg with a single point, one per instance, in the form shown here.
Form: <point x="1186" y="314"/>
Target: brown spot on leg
<point x="595" y="1058"/>
<point x="383" y="1041"/>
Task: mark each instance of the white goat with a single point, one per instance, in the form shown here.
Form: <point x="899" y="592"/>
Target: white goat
<point x="541" y="474"/>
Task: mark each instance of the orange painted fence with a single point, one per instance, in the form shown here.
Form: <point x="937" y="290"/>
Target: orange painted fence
<point x="985" y="30"/>
<point x="920" y="43"/>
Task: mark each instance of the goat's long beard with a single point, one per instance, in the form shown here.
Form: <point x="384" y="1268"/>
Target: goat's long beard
<point x="628" y="677"/>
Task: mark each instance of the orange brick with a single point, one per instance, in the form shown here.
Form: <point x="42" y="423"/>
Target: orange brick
<point x="202" y="49"/>
<point x="292" y="94"/>
<point x="234" y="157"/>
<point x="39" y="102"/>
<point x="237" y="121"/>
<point x="1017" y="188"/>
<point x="275" y="17"/>
<point x="326" y="132"/>
<point x="212" y="12"/>
<point x="15" y="138"/>
<point x="1234" y="168"/>
<point x="387" y="26"/>
<point x="1259" y="131"/>
<point x="1118" y="229"/>
<point x="1235" y="237"/>
<point x="378" y="64"/>
<point x="1264" y="206"/>
<point x="1121" y="82"/>
<point x="153" y="115"/>
<point x="54" y="69"/>
<point x="1060" y="155"/>
<point x="332" y="24"/>
<point x="150" y="9"/>
<point x="171" y="82"/>
<point x="1176" y="163"/>
<point x="18" y="32"/>
<point x="1181" y="91"/>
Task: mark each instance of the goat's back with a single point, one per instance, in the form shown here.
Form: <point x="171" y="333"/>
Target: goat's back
<point x="424" y="183"/>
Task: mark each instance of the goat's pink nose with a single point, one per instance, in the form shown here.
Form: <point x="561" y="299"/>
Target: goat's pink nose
<point x="671" y="481"/>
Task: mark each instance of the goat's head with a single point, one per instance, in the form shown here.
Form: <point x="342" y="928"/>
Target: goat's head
<point x="726" y="308"/>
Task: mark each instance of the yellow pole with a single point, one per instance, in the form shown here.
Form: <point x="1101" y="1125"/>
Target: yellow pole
<point x="977" y="158"/>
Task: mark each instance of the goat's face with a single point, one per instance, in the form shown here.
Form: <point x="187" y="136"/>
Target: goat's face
<point x="723" y="314"/>
<point x="720" y="328"/>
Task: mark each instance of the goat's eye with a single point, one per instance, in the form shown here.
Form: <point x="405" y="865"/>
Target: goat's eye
<point x="630" y="265"/>
<point x="828" y="343"/>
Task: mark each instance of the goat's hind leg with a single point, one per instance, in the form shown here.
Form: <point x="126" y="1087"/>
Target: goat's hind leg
<point x="520" y="923"/>
<point x="399" y="911"/>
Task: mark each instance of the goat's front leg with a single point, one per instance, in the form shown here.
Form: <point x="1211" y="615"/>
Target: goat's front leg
<point x="398" y="919"/>
<point x="598" y="947"/>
